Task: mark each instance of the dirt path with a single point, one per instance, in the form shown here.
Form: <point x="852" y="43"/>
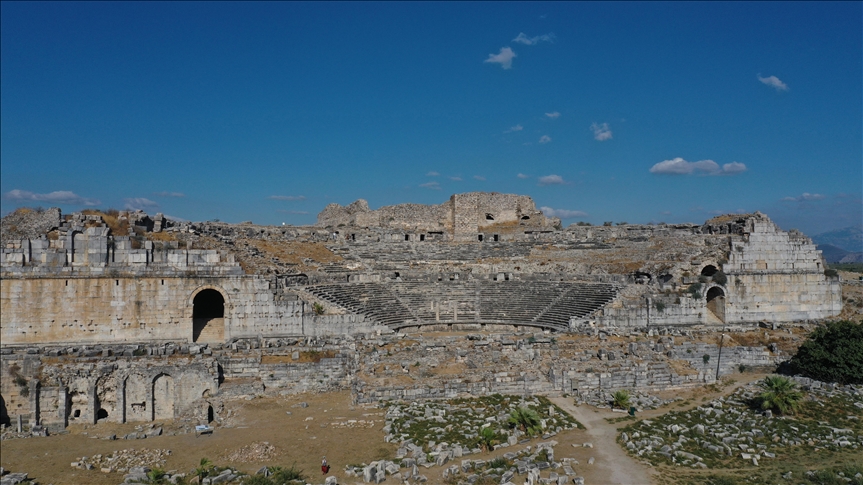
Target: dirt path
<point x="613" y="465"/>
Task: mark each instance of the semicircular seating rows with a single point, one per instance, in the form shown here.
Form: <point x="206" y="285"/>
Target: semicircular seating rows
<point x="531" y="303"/>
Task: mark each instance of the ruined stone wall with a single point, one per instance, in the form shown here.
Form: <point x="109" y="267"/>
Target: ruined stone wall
<point x="46" y="310"/>
<point x="777" y="276"/>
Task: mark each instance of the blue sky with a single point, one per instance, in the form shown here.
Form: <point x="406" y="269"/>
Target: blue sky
<point x="267" y="112"/>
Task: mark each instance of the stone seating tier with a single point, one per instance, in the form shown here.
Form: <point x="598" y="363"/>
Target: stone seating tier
<point x="531" y="303"/>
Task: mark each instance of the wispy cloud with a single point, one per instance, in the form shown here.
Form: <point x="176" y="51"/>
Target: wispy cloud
<point x="56" y="197"/>
<point x="522" y="38"/>
<point x="553" y="116"/>
<point x="562" y="213"/>
<point x="514" y="128"/>
<point x="601" y="132"/>
<point x="169" y="194"/>
<point x="805" y="196"/>
<point x="523" y="176"/>
<point x="455" y="179"/>
<point x="679" y="166"/>
<point x="773" y="82"/>
<point x="479" y="177"/>
<point x="432" y="174"/>
<point x="545" y="139"/>
<point x="287" y="197"/>
<point x="285" y="211"/>
<point x="139" y="203"/>
<point x="431" y="185"/>
<point x="504" y="58"/>
<point x="552" y="180"/>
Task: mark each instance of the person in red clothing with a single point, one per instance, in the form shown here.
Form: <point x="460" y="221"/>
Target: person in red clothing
<point x="325" y="468"/>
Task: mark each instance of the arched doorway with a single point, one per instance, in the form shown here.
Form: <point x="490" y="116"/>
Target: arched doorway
<point x="163" y="397"/>
<point x="716" y="302"/>
<point x="709" y="270"/>
<point x="208" y="316"/>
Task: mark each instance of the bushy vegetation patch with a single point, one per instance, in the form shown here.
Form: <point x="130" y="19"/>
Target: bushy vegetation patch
<point x="833" y="353"/>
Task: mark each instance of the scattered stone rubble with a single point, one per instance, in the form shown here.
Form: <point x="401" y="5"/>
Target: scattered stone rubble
<point x="257" y="451"/>
<point x="123" y="460"/>
<point x="451" y="428"/>
<point x="729" y="427"/>
<point x="537" y="464"/>
<point x="9" y="478"/>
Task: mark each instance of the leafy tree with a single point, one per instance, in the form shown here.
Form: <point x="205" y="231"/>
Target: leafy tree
<point x="833" y="353"/>
<point x="780" y="394"/>
<point x="620" y="399"/>
<point x="525" y="419"/>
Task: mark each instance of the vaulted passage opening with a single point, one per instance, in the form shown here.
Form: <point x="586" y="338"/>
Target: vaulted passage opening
<point x="709" y="270"/>
<point x="208" y="316"/>
<point x="716" y="302"/>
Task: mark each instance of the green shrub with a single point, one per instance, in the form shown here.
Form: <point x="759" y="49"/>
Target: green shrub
<point x="620" y="399"/>
<point x="695" y="290"/>
<point x="318" y="308"/>
<point x="831" y="273"/>
<point x="720" y="278"/>
<point x="833" y="353"/>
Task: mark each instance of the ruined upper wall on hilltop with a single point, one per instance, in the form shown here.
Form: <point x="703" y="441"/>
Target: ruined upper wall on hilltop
<point x="462" y="217"/>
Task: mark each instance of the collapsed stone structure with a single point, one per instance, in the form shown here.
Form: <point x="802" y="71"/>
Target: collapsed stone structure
<point x="85" y="295"/>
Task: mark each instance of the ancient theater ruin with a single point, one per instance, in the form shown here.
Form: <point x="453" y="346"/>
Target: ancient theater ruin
<point x="124" y="317"/>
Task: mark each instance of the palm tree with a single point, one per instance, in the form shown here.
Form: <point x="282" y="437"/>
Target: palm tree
<point x="204" y="468"/>
<point x="780" y="394"/>
<point x="525" y="419"/>
<point x="620" y="399"/>
<point x="486" y="439"/>
<point x="156" y="476"/>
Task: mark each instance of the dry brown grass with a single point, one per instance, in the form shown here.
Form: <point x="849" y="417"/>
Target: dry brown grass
<point x="111" y="219"/>
<point x="682" y="367"/>
<point x="294" y="252"/>
<point x="161" y="236"/>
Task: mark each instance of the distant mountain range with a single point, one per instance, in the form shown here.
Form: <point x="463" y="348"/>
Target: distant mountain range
<point x="841" y="245"/>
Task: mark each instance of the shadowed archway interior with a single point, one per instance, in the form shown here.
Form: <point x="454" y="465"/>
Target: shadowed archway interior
<point x="208" y="313"/>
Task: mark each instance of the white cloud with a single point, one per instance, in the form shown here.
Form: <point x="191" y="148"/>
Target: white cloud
<point x="139" y="203"/>
<point x="175" y="218"/>
<point x="56" y="197"/>
<point x="432" y="174"/>
<point x="552" y="180"/>
<point x="504" y="58"/>
<point x="479" y="177"/>
<point x="679" y="166"/>
<point x="601" y="132"/>
<point x="523" y="176"/>
<point x="522" y="38"/>
<point x="514" y="128"/>
<point x="431" y="185"/>
<point x="553" y="116"/>
<point x="287" y="197"/>
<point x="562" y="213"/>
<point x="773" y="82"/>
<point x="545" y="139"/>
<point x="805" y="196"/>
<point x="456" y="179"/>
<point x="169" y="194"/>
<point x="283" y="211"/>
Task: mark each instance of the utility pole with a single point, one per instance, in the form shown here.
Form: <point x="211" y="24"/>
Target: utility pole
<point x="719" y="358"/>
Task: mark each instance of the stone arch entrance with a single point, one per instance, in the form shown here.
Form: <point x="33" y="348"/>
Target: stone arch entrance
<point x="163" y="397"/>
<point x="716" y="302"/>
<point x="208" y="316"/>
<point x="709" y="270"/>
